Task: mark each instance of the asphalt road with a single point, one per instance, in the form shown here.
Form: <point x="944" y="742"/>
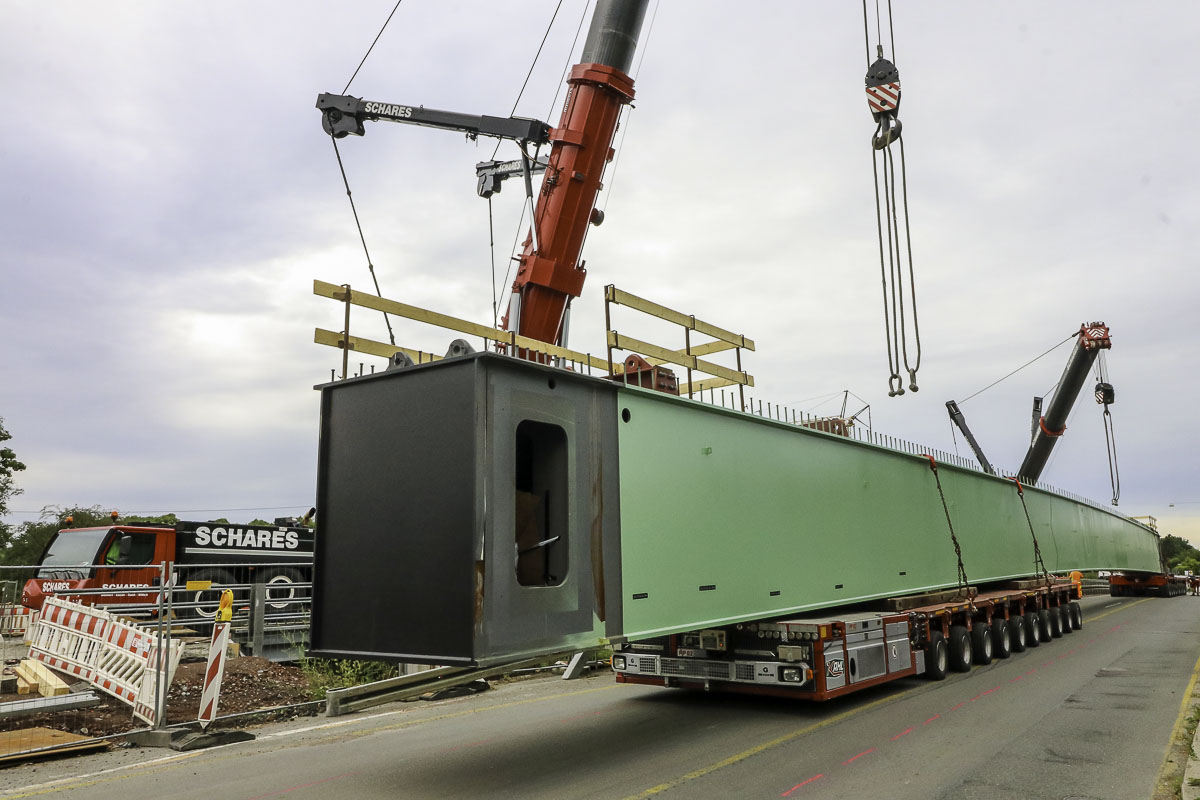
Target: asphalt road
<point x="1086" y="716"/>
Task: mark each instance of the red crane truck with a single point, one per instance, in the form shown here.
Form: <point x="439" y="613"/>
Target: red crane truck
<point x="130" y="558"/>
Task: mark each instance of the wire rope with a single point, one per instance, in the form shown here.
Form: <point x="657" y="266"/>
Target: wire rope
<point x="361" y="237"/>
<point x="372" y="47"/>
<point x="1018" y="369"/>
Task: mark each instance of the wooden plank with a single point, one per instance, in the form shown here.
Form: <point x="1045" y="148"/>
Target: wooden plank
<point x="675" y="357"/>
<point x="371" y="347"/>
<point x="24" y="686"/>
<point x="705" y="384"/>
<point x="615" y="295"/>
<point x="15" y="744"/>
<point x="49" y="684"/>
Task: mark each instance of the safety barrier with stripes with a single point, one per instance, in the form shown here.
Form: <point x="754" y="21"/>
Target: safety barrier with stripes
<point x="16" y="620"/>
<point x="114" y="656"/>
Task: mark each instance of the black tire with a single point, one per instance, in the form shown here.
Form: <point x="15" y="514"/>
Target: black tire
<point x="1113" y="591"/>
<point x="1046" y="625"/>
<point x="207" y="598"/>
<point x="960" y="648"/>
<point x="1001" y="638"/>
<point x="1064" y="613"/>
<point x="1033" y="630"/>
<point x="1076" y="616"/>
<point x="1055" y="622"/>
<point x="282" y="595"/>
<point x="981" y="644"/>
<point x="1019" y="633"/>
<point x="937" y="657"/>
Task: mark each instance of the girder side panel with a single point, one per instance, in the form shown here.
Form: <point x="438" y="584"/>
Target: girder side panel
<point x="728" y="517"/>
<point x="395" y="487"/>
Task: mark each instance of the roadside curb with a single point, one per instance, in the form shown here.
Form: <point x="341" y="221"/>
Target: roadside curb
<point x="1190" y="790"/>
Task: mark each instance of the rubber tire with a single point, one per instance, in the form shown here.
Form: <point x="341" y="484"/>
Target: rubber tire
<point x="1055" y="623"/>
<point x="1019" y="633"/>
<point x="1032" y="629"/>
<point x="287" y="601"/>
<point x="960" y="648"/>
<point x="1045" y="625"/>
<point x="937" y="657"/>
<point x="1064" y="613"/>
<point x="1076" y="616"/>
<point x="220" y="578"/>
<point x="1001" y="638"/>
<point x="981" y="644"/>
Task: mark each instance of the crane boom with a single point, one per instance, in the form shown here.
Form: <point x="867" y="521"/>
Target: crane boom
<point x="343" y="115"/>
<point x="550" y="274"/>
<point x="1093" y="337"/>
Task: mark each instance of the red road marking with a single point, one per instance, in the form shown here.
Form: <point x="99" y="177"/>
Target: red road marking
<point x="931" y="719"/>
<point x="302" y="786"/>
<point x="960" y="705"/>
<point x="1014" y="680"/>
<point x="1049" y="663"/>
<point x="904" y="732"/>
<point x="1031" y="671"/>
<point x="860" y="755"/>
<point x="804" y="783"/>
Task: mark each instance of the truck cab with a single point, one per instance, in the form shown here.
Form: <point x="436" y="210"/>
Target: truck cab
<point x="108" y="557"/>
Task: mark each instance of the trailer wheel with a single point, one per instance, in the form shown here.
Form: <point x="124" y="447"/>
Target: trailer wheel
<point x="1064" y="613"/>
<point x="1045" y="625"/>
<point x="207" y="599"/>
<point x="1001" y="638"/>
<point x="981" y="644"/>
<point x="937" y="657"/>
<point x="1033" y="628"/>
<point x="960" y="648"/>
<point x="1076" y="616"/>
<point x="282" y="594"/>
<point x="1017" y="633"/>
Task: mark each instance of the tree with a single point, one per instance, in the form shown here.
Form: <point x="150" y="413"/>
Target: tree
<point x="9" y="466"/>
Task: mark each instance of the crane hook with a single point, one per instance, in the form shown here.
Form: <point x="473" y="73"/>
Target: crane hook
<point x="883" y="98"/>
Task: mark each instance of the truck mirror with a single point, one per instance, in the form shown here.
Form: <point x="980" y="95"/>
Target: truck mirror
<point x="126" y="548"/>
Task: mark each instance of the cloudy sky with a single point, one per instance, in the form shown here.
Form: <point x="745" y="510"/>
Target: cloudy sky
<point x="169" y="196"/>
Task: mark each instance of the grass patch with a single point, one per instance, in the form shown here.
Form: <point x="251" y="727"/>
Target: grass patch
<point x="337" y="673"/>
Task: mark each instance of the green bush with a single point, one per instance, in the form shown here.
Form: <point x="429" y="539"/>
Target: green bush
<point x="335" y="673"/>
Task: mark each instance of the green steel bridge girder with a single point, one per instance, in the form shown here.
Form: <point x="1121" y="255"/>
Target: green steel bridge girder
<point x="730" y="517"/>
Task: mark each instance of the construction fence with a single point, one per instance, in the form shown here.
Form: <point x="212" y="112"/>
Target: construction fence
<point x="87" y="661"/>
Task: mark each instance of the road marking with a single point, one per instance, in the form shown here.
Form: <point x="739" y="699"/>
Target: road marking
<point x="852" y="759"/>
<point x="931" y="719"/>
<point x="802" y="783"/>
<point x="139" y="769"/>
<point x="904" y="732"/>
<point x="303" y="786"/>
<point x="753" y="751"/>
<point x="1177" y="729"/>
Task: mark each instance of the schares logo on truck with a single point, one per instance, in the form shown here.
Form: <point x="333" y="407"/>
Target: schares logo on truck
<point x="388" y="110"/>
<point x="247" y="537"/>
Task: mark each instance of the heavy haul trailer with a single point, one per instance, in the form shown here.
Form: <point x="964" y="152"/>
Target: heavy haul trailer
<point x="1161" y="584"/>
<point x="513" y="509"/>
<point x="827" y="656"/>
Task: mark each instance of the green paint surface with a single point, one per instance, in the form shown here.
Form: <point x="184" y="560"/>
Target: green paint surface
<point x="750" y="506"/>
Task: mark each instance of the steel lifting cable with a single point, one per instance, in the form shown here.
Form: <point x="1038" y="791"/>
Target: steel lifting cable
<point x="1037" y="550"/>
<point x="1106" y="395"/>
<point x="963" y="584"/>
<point x="883" y="97"/>
<point x="361" y="237"/>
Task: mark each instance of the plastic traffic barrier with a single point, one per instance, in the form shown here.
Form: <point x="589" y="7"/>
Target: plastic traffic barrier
<point x="116" y="657"/>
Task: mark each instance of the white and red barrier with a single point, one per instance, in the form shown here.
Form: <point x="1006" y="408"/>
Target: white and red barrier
<point x="16" y="620"/>
<point x="116" y="657"/>
<point x="214" y="671"/>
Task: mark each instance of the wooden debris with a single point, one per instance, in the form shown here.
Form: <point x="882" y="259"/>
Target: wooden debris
<point x="48" y="683"/>
<point x="24" y="686"/>
<point x="14" y="745"/>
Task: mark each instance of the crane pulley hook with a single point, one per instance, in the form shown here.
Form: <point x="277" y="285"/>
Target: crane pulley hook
<point x="883" y="97"/>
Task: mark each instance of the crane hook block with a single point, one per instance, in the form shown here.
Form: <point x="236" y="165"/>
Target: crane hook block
<point x="883" y="98"/>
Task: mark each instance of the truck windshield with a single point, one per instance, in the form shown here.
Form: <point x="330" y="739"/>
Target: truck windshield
<point x="69" y="549"/>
